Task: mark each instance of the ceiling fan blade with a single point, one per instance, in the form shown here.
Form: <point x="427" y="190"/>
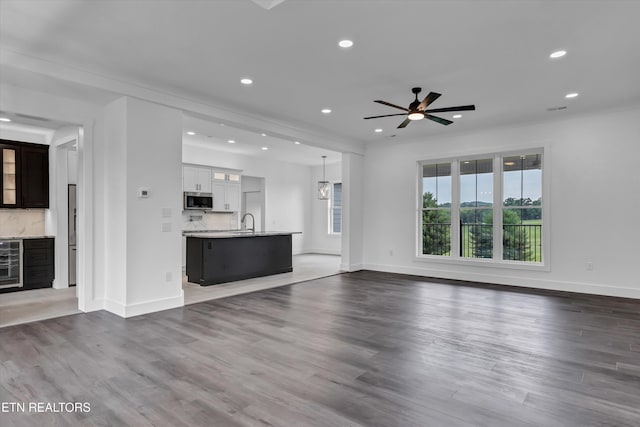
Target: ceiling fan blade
<point x="444" y="110"/>
<point x="386" y="115"/>
<point x="404" y="124"/>
<point x="438" y="119"/>
<point x="428" y="100"/>
<point x="390" y="105"/>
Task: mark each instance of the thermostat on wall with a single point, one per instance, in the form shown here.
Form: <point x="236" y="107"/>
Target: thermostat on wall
<point x="143" y="193"/>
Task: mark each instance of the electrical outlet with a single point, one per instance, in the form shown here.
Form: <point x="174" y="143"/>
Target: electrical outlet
<point x="168" y="276"/>
<point x="589" y="266"/>
<point x="391" y="252"/>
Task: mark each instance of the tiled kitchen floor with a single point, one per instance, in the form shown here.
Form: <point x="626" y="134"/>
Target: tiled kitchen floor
<point x="30" y="306"/>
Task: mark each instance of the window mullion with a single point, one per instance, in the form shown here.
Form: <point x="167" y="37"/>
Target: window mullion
<point x="497" y="207"/>
<point x="455" y="209"/>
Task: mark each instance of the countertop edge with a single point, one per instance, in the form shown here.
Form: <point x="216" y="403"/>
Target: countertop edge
<point x="230" y="235"/>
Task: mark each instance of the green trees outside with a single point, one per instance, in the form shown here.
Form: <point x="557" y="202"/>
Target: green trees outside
<point x="515" y="240"/>
<point x="436" y="228"/>
<point x="477" y="229"/>
<point x="527" y="214"/>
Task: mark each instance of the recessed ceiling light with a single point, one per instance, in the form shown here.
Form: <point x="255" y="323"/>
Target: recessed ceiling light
<point x="457" y="116"/>
<point x="5" y="119"/>
<point x="191" y="133"/>
<point x="325" y="111"/>
<point x="231" y="141"/>
<point x="571" y="95"/>
<point x="246" y="81"/>
<point x="509" y="163"/>
<point x="558" y="54"/>
<point x="345" y="43"/>
<point x="296" y="142"/>
<point x="265" y="148"/>
<point x="378" y="130"/>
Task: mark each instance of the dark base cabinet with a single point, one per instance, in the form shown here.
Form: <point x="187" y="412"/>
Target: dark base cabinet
<point x="212" y="261"/>
<point x="38" y="270"/>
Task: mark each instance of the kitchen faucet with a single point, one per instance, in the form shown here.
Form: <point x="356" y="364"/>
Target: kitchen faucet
<point x="253" y="222"/>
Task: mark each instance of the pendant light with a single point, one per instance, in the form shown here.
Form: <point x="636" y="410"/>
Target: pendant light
<point x="323" y="186"/>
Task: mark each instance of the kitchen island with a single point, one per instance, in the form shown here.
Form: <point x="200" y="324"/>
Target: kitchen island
<point x="219" y="257"/>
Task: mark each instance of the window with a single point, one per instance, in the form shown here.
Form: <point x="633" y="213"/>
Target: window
<point x="436" y="209"/>
<point x="335" y="209"/>
<point x="476" y="208"/>
<point x="522" y="208"/>
<point x="461" y="198"/>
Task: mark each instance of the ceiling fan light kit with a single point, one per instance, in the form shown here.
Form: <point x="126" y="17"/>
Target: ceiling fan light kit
<point x="418" y="110"/>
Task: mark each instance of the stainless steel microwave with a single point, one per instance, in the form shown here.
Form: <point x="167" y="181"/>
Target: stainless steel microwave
<point x="198" y="201"/>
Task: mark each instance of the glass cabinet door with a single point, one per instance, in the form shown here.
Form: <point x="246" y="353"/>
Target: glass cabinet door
<point x="9" y="178"/>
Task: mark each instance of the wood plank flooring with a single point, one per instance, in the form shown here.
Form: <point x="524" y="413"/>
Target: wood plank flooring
<point x="358" y="349"/>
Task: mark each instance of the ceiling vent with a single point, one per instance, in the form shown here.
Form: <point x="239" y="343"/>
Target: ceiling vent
<point x="267" y="4"/>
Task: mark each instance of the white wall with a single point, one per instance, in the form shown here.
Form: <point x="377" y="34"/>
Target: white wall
<point x="142" y="235"/>
<point x="287" y="196"/>
<point x="321" y="241"/>
<point x="592" y="163"/>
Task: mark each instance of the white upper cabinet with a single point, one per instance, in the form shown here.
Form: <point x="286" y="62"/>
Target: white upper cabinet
<point x="226" y="191"/>
<point x="196" y="179"/>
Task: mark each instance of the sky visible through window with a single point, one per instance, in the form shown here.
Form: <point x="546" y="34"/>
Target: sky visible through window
<point x="531" y="188"/>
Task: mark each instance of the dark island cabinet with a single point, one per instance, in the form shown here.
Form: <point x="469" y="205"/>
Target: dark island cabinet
<point x="212" y="261"/>
<point x="38" y="266"/>
<point x="25" y="175"/>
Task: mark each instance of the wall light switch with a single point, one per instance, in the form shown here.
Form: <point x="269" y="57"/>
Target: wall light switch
<point x="143" y="192"/>
<point x="166" y="227"/>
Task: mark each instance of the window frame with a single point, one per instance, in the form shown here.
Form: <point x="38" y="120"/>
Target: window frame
<point x="331" y="207"/>
<point x="498" y="206"/>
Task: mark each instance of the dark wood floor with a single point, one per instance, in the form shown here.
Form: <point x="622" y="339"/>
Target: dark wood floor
<point x="360" y="349"/>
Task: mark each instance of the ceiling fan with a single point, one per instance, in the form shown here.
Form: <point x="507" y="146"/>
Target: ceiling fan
<point x="417" y="110"/>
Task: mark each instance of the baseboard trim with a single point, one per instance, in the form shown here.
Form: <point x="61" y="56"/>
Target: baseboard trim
<point x="144" y="307"/>
<point x="507" y="280"/>
<point x="321" y="252"/>
<point x="92" y="306"/>
<point x="352" y="267"/>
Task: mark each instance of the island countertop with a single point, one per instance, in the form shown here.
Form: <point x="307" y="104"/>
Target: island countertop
<point x="236" y="233"/>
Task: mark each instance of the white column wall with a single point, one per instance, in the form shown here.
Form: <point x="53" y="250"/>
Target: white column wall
<point x="142" y="262"/>
<point x="352" y="212"/>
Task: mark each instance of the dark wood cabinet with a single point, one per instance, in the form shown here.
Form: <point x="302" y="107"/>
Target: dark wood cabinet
<point x="38" y="263"/>
<point x="25" y="175"/>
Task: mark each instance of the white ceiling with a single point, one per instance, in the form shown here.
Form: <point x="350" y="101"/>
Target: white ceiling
<point x="494" y="54"/>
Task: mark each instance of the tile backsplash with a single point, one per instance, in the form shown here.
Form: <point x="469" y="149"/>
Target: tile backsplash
<point x="21" y="222"/>
<point x="197" y="220"/>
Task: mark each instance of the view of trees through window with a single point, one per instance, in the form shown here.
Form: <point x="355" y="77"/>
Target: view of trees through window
<point x="520" y="208"/>
<point x="436" y="209"/>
